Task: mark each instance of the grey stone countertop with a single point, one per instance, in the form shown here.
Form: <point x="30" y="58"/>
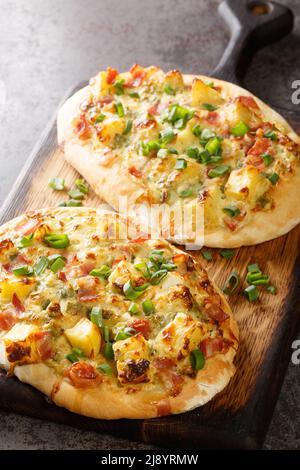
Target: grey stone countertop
<point x="47" y="46"/>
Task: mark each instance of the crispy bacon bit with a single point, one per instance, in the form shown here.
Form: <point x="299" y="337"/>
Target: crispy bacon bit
<point x="231" y="225"/>
<point x="62" y="276"/>
<point x="79" y="270"/>
<point x="136" y="371"/>
<point x="16" y="352"/>
<point x="211" y="346"/>
<point x="6" y="246"/>
<point x="157" y="109"/>
<point x="141" y="238"/>
<point x="146" y="124"/>
<point x="44" y="345"/>
<point x="82" y="128"/>
<point x="28" y="226"/>
<point x="7" y="267"/>
<point x="7" y="320"/>
<point x="212" y="307"/>
<point x="83" y="375"/>
<point x="177" y="384"/>
<point x="17" y="303"/>
<point x="87" y="289"/>
<point x="21" y="258"/>
<point x="163" y="407"/>
<point x="111" y="75"/>
<point x="255" y="160"/>
<point x="135" y="172"/>
<point x="181" y="293"/>
<point x="248" y="101"/>
<point x="118" y="260"/>
<point x="260" y="146"/>
<point x="138" y="74"/>
<point x="163" y="363"/>
<point x="142" y="326"/>
<point x="212" y="117"/>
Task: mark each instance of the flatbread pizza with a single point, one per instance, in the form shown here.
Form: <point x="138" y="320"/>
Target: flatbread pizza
<point x="110" y="327"/>
<point x="158" y="137"/>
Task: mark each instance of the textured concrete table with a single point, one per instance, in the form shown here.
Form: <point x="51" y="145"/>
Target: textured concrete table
<point x="48" y="46"/>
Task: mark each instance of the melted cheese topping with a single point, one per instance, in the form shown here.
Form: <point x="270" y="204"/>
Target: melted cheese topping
<point x="130" y="309"/>
<point x="184" y="142"/>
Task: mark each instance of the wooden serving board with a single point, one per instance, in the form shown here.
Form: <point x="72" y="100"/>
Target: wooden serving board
<point x="239" y="416"/>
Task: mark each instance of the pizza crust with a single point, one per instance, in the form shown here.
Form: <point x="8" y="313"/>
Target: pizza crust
<point x="109" y="182"/>
<point x="109" y="400"/>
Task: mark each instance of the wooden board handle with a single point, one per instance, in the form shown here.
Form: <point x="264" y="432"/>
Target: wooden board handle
<point x="253" y="25"/>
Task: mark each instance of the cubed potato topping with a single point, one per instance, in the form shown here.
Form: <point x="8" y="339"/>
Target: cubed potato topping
<point x="174" y="79"/>
<point x="7" y="249"/>
<point x="247" y="184"/>
<point x="181" y="336"/>
<point x="202" y="93"/>
<point x="16" y="346"/>
<point x="132" y="356"/>
<point x="86" y="336"/>
<point x="110" y="128"/>
<point x="237" y="112"/>
<point x="21" y="288"/>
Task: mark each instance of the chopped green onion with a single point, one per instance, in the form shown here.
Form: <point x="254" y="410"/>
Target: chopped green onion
<point x="227" y="253"/>
<point x="128" y="127"/>
<point x="253" y="268"/>
<point x="162" y="153"/>
<point x="181" y="164"/>
<point x="240" y="129"/>
<point x="73" y="203"/>
<point x="169" y="90"/>
<point x="62" y="204"/>
<point x="158" y="276"/>
<point x="133" y="293"/>
<point x="193" y="152"/>
<point x="197" y="130"/>
<point x="267" y="159"/>
<point x="96" y="316"/>
<point x="57" y="264"/>
<point x="122" y="335"/>
<point x="231" y="211"/>
<point x="251" y="293"/>
<point x="274" y="177"/>
<point x="148" y="307"/>
<point x="197" y="359"/>
<point x="209" y="107"/>
<point x="76" y="194"/>
<point x="71" y="357"/>
<point x="168" y="266"/>
<point x="133" y="308"/>
<point x="106" y="333"/>
<point x="25" y="241"/>
<point x="119" y="86"/>
<point x="105" y="369"/>
<point x="210" y="84"/>
<point x="151" y="146"/>
<point x="41" y="265"/>
<point x="77" y="352"/>
<point x="108" y="351"/>
<point x="218" y="171"/>
<point x="186" y="192"/>
<point x="232" y="283"/>
<point x="99" y="118"/>
<point x="271" y="135"/>
<point x="166" y="136"/>
<point x="257" y="279"/>
<point x="134" y="94"/>
<point x="82" y="186"/>
<point x="207" y="255"/>
<point x="104" y="271"/>
<point x="272" y="290"/>
<point x="57" y="240"/>
<point x="58" y="184"/>
<point x="178" y="115"/>
<point x="23" y="271"/>
<point x="119" y="109"/>
<point x="207" y="134"/>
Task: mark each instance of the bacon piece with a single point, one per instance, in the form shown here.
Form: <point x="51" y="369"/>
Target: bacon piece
<point x="248" y="101"/>
<point x="211" y="346"/>
<point x="28" y="226"/>
<point x="260" y="146"/>
<point x="212" y="307"/>
<point x="83" y="375"/>
<point x="231" y="225"/>
<point x="7" y="320"/>
<point x="17" y="303"/>
<point x="62" y="276"/>
<point x="81" y="127"/>
<point x="163" y="363"/>
<point x="212" y="117"/>
<point x="21" y="258"/>
<point x="44" y="345"/>
<point x="142" y="326"/>
<point x="79" y="270"/>
<point x="87" y="289"/>
<point x="146" y="124"/>
<point x="163" y="407"/>
<point x="177" y="384"/>
<point x="141" y="238"/>
<point x="111" y="75"/>
<point x="138" y="74"/>
<point x="135" y="172"/>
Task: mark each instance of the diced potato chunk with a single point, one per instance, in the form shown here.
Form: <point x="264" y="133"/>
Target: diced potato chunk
<point x="237" y="112"/>
<point x="16" y="346"/>
<point x="201" y="93"/>
<point x="7" y="248"/>
<point x="181" y="336"/>
<point x="86" y="336"/>
<point x="21" y="288"/>
<point x="132" y="356"/>
<point x="110" y="128"/>
<point x="122" y="273"/>
<point x="247" y="184"/>
<point x="174" y="79"/>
